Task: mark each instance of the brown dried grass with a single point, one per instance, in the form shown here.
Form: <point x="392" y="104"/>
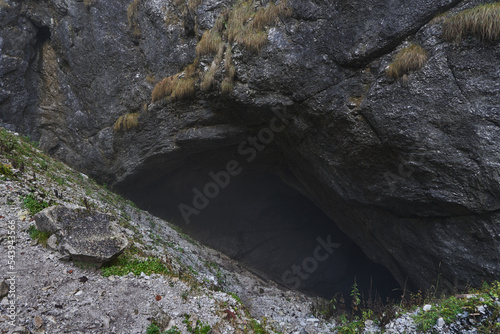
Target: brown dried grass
<point x="482" y="21"/>
<point x="410" y="58"/>
<point x="126" y="122"/>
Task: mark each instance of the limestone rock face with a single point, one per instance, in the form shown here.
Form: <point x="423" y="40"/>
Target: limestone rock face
<point x="82" y="235"/>
<point x="407" y="168"/>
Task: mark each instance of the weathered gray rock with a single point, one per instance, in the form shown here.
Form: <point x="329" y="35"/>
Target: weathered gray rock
<point x="4" y="289"/>
<point x="83" y="235"/>
<point x="409" y="172"/>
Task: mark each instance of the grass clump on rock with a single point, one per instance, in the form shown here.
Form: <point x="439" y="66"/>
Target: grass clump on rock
<point x="482" y="21"/>
<point x="39" y="236"/>
<point x="410" y="58"/>
<point x="133" y="23"/>
<point x="245" y="25"/>
<point x="178" y="86"/>
<point x="127" y="122"/>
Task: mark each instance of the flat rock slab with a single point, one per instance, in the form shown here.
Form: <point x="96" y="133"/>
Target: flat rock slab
<point x="81" y="234"/>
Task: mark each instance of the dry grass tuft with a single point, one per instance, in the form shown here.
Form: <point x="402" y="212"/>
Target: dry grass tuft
<point x="89" y="3"/>
<point x="178" y="86"/>
<point x="242" y="24"/>
<point x="193" y="5"/>
<point x="164" y="88"/>
<point x="209" y="77"/>
<point x="151" y="79"/>
<point x="410" y="58"/>
<point x="209" y="43"/>
<point x="127" y="122"/>
<point x="227" y="86"/>
<point x="254" y="42"/>
<point x="228" y="64"/>
<point x="185" y="87"/>
<point x="482" y="21"/>
<point x="246" y="26"/>
<point x="132" y="12"/>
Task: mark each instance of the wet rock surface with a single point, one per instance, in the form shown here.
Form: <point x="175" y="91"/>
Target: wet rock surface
<point x="408" y="170"/>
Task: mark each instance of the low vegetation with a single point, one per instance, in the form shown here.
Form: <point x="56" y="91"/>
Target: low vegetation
<point x="482" y="21"/>
<point x="200" y="327"/>
<point x="126" y="263"/>
<point x="481" y="305"/>
<point x="410" y="58"/>
<point x="39" y="236"/>
<point x="153" y="329"/>
<point x="89" y="3"/>
<point x="244" y="25"/>
<point x="178" y="86"/>
<point x="127" y="122"/>
<point x="479" y="308"/>
<point x="34" y="205"/>
<point x="133" y="23"/>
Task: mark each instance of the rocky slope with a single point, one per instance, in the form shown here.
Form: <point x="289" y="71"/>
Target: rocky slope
<point x="407" y="168"/>
<point x="54" y="295"/>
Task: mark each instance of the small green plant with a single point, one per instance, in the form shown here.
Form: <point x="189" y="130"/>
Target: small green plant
<point x="235" y="296"/>
<point x="127" y="122"/>
<point x="324" y="309"/>
<point x="125" y="264"/>
<point x="154" y="329"/>
<point x="34" y="205"/>
<point x="355" y="297"/>
<point x="257" y="327"/>
<point x="482" y="21"/>
<point x="173" y="330"/>
<point x="6" y="170"/>
<point x="200" y="328"/>
<point x="410" y="58"/>
<point x="449" y="308"/>
<point x="39" y="236"/>
<point x="185" y="295"/>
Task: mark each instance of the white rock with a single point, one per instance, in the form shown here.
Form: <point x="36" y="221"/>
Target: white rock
<point x="427" y="307"/>
<point x="440" y="322"/>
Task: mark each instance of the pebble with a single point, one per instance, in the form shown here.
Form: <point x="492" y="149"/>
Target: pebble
<point x="427" y="307"/>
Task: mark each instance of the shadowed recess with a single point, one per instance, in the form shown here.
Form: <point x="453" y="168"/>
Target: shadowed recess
<point x="270" y="227"/>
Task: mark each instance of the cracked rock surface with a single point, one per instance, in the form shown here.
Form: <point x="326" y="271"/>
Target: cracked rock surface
<point x="408" y="169"/>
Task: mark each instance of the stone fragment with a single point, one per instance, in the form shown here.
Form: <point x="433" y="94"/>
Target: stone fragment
<point x="81" y="234"/>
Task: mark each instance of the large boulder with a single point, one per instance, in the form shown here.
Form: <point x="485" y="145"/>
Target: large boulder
<point x="81" y="234"/>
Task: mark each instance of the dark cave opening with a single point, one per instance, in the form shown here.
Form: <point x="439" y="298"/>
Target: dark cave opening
<point x="268" y="226"/>
<point x="42" y="35"/>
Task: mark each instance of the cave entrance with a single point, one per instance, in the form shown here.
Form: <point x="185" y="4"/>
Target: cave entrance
<point x="270" y="227"/>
